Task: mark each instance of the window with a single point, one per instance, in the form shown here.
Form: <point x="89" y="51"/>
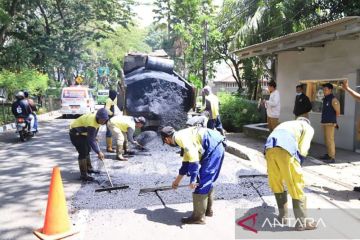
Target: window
<point x="313" y="89"/>
<point x="71" y="93"/>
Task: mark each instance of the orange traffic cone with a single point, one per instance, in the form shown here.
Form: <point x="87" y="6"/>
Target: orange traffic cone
<point x="57" y="223"/>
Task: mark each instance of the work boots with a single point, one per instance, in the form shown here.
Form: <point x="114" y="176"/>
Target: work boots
<point x="90" y="169"/>
<point x="125" y="148"/>
<point x="119" y="154"/>
<point x="198" y="215"/>
<point x="83" y="170"/>
<point x="281" y="200"/>
<point x="109" y="145"/>
<point x="209" y="212"/>
<point x="300" y="215"/>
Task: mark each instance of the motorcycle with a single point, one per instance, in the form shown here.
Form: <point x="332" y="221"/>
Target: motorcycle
<point x="23" y="128"/>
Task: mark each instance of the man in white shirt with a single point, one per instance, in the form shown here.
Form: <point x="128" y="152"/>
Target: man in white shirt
<point x="273" y="106"/>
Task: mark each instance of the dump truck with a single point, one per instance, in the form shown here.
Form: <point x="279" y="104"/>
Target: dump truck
<point x="151" y="88"/>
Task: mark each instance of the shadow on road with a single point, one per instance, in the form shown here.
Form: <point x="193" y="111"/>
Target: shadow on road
<point x="166" y="215"/>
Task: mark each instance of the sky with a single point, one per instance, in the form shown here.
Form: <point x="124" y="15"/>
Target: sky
<point x="145" y="14"/>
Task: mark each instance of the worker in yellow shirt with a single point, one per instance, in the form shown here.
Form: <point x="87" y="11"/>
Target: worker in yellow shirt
<point x="204" y="151"/>
<point x="83" y="132"/>
<point x="110" y="107"/>
<point x="285" y="149"/>
<point x="212" y="106"/>
<point x="123" y="128"/>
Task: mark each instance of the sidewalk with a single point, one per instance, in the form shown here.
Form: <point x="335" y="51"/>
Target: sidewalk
<point x="337" y="180"/>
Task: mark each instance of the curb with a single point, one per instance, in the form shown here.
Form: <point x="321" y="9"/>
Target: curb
<point x="247" y="154"/>
<point x="42" y="117"/>
<point x="7" y="127"/>
<point x="235" y="149"/>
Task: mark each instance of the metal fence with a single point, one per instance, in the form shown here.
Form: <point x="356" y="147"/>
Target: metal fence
<point x="46" y="104"/>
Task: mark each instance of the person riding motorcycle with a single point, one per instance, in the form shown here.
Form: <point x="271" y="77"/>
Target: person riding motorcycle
<point x="33" y="109"/>
<point x="21" y="109"/>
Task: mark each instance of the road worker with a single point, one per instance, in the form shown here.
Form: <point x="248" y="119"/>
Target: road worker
<point x="212" y="106"/>
<point x="123" y="128"/>
<point x="110" y="104"/>
<point x="204" y="151"/>
<point x="285" y="149"/>
<point x="83" y="132"/>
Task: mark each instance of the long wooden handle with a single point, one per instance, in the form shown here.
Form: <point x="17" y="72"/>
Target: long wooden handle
<point x="163" y="188"/>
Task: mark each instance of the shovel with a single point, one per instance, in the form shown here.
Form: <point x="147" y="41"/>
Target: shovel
<point x="158" y="189"/>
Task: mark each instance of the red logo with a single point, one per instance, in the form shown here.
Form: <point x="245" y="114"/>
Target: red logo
<point x="252" y="217"/>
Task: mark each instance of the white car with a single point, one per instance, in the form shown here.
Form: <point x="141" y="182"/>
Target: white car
<point x="76" y="100"/>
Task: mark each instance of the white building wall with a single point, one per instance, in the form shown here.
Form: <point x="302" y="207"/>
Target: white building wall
<point x="338" y="59"/>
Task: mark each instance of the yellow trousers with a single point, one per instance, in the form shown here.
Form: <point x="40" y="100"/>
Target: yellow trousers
<point x="120" y="137"/>
<point x="329" y="138"/>
<point x="272" y="123"/>
<point x="282" y="167"/>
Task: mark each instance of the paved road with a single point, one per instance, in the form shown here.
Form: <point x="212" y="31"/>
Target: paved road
<point x="25" y="172"/>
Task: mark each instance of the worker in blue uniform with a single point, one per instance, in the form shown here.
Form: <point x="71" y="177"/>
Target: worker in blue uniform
<point x="204" y="151"/>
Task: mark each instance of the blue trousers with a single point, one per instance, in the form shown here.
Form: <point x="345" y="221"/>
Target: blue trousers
<point x="215" y="124"/>
<point x="210" y="168"/>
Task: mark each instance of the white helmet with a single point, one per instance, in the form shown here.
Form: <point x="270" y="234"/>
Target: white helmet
<point x="20" y="95"/>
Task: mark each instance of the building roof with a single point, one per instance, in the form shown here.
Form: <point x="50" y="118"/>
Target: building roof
<point x="225" y="79"/>
<point x="316" y="36"/>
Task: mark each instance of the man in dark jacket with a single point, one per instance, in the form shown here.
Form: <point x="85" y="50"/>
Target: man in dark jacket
<point x="21" y="109"/>
<point x="302" y="105"/>
<point x="330" y="112"/>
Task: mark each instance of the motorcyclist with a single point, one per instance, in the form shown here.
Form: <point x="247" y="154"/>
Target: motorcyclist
<point x="21" y="109"/>
<point x="33" y="109"/>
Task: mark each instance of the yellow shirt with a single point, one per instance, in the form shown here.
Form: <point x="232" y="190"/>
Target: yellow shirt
<point x="108" y="104"/>
<point x="123" y="123"/>
<point x="83" y="122"/>
<point x="190" y="139"/>
<point x="303" y="133"/>
<point x="214" y="105"/>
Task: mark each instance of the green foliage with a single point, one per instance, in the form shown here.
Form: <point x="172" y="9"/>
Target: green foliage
<point x="28" y="79"/>
<point x="196" y="81"/>
<point x="236" y="112"/>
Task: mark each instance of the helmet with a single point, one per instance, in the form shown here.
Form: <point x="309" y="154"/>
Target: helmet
<point x="141" y="120"/>
<point x="19" y="95"/>
<point x="304" y="119"/>
<point x="102" y="114"/>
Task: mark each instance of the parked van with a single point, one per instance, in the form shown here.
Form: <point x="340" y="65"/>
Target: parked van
<point x="102" y="95"/>
<point x="76" y="100"/>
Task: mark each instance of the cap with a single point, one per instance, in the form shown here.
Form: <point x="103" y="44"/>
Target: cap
<point x="102" y="114"/>
<point x="328" y="85"/>
<point x="167" y="131"/>
<point x="206" y="90"/>
<point x="141" y="120"/>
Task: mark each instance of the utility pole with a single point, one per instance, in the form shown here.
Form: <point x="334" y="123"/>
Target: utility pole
<point x="204" y="58"/>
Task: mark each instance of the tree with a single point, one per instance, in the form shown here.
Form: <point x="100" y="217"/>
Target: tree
<point x="111" y="51"/>
<point x="54" y="33"/>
